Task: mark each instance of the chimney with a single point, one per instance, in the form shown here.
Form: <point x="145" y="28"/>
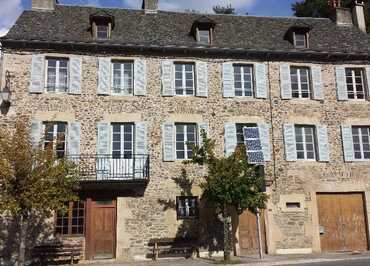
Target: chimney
<point x="44" y="5"/>
<point x="150" y="6"/>
<point x="358" y="14"/>
<point x="342" y="16"/>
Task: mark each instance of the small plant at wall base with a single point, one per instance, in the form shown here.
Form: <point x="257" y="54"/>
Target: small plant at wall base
<point x="231" y="184"/>
<point x="32" y="181"/>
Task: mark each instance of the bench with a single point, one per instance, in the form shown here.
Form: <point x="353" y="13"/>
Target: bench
<point x="57" y="253"/>
<point x="174" y="246"/>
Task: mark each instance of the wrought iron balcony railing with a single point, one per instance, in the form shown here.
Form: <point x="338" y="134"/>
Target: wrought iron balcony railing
<point x="112" y="168"/>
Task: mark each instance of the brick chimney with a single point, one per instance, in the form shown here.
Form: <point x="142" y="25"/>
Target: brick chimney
<point x="358" y="14"/>
<point x="44" y="5"/>
<point x="150" y="6"/>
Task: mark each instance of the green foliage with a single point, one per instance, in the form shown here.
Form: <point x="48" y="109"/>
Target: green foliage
<point x="320" y="8"/>
<point x="32" y="180"/>
<point x="226" y="10"/>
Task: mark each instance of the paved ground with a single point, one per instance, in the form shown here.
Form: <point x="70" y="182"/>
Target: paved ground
<point x="359" y="262"/>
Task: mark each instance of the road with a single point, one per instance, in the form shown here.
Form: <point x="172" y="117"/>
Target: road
<point x="357" y="262"/>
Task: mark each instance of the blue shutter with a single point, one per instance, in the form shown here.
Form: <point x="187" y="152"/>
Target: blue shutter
<point x="317" y="85"/>
<point x="140" y="80"/>
<point x="37" y="74"/>
<point x="103" y="149"/>
<point x="202" y="79"/>
<point x="75" y="74"/>
<point x="36" y="133"/>
<point x="285" y="82"/>
<point x="169" y="142"/>
<point x="104" y="78"/>
<point x="228" y="80"/>
<point x="252" y="141"/>
<point x="230" y="138"/>
<point x="74" y="135"/>
<point x="261" y="81"/>
<point x="348" y="149"/>
<point x="289" y="141"/>
<point x="202" y="126"/>
<point x="323" y="143"/>
<point x="264" y="132"/>
<point x="141" y="138"/>
<point x="340" y="77"/>
<point x="167" y="78"/>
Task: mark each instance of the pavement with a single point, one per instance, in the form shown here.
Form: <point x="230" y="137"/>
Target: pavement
<point x="329" y="259"/>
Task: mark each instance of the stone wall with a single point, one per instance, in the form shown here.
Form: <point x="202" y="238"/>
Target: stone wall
<point x="143" y="218"/>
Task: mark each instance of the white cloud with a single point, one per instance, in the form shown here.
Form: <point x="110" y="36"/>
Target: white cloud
<point x="200" y="5"/>
<point x="9" y="12"/>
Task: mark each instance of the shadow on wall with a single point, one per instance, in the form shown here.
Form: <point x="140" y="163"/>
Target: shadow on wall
<point x="38" y="230"/>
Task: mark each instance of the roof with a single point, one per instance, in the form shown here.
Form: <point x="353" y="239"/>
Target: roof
<point x="70" y="24"/>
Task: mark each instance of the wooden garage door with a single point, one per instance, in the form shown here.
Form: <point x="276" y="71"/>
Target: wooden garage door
<point x="248" y="237"/>
<point x="342" y="222"/>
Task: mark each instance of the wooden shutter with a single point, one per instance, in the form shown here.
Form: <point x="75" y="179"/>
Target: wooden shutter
<point x="317" y="85"/>
<point x="202" y="79"/>
<point x="323" y="143"/>
<point x="141" y="138"/>
<point x="169" y="142"/>
<point x="348" y="149"/>
<point x="103" y="151"/>
<point x="36" y="133"/>
<point x="285" y="82"/>
<point x="289" y="141"/>
<point x="74" y="136"/>
<point x="202" y="126"/>
<point x="228" y="80"/>
<point x="264" y="132"/>
<point x="104" y="76"/>
<point x="230" y="138"/>
<point x="261" y="81"/>
<point x="368" y="82"/>
<point x="75" y="73"/>
<point x="140" y="80"/>
<point x="340" y="77"/>
<point x="167" y="78"/>
<point x="37" y="74"/>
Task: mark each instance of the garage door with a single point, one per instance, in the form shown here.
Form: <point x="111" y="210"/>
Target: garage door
<point x="342" y="222"/>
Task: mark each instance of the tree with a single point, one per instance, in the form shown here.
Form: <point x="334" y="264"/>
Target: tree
<point x="321" y="8"/>
<point x="226" y="10"/>
<point x="231" y="184"/>
<point x="32" y="180"/>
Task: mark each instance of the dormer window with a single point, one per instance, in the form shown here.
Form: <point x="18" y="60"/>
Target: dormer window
<point x="202" y="30"/>
<point x="102" y="25"/>
<point x="204" y="36"/>
<point x="297" y="35"/>
<point x="300" y="40"/>
<point x="102" y="32"/>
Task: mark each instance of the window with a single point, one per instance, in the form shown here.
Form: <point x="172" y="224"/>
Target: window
<point x="300" y="40"/>
<point x="305" y="142"/>
<point x="187" y="207"/>
<point x="57" y="75"/>
<point x="300" y="80"/>
<point x="243" y="78"/>
<point x="355" y="83"/>
<point x="55" y="137"/>
<point x="204" y="36"/>
<point x="102" y="32"/>
<point x="122" y="140"/>
<point x="123" y="76"/>
<point x="184" y="79"/>
<point x="361" y="142"/>
<point x="186" y="136"/>
<point x="72" y="222"/>
<point x="240" y="134"/>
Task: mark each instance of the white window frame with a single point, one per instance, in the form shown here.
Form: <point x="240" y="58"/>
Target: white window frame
<point x="208" y="41"/>
<point x="354" y="84"/>
<point x="183" y="78"/>
<point x="55" y="135"/>
<point x="122" y="78"/>
<point x="243" y="81"/>
<point x="305" y="40"/>
<point x="299" y="81"/>
<point x="122" y="139"/>
<point x="57" y="67"/>
<point x="97" y="31"/>
<point x="304" y="143"/>
<point x="186" y="148"/>
<point x="360" y="135"/>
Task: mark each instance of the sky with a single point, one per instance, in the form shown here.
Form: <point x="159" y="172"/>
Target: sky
<point x="11" y="9"/>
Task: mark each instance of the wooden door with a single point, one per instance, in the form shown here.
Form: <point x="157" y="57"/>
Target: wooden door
<point x="342" y="222"/>
<point x="248" y="237"/>
<point x="103" y="229"/>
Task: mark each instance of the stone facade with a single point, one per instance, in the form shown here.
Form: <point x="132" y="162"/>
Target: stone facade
<point x="140" y="219"/>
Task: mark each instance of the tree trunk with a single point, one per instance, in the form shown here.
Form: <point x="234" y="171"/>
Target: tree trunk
<point x="227" y="233"/>
<point x="22" y="240"/>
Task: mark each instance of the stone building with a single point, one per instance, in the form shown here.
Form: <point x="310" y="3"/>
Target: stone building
<point x="123" y="92"/>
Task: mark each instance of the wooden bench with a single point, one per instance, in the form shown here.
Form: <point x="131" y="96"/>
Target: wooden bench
<point x="174" y="246"/>
<point x="57" y="253"/>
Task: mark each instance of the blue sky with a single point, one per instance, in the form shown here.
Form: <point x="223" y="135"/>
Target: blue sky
<point x="11" y="9"/>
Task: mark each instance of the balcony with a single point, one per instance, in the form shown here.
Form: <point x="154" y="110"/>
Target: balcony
<point x="100" y="169"/>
